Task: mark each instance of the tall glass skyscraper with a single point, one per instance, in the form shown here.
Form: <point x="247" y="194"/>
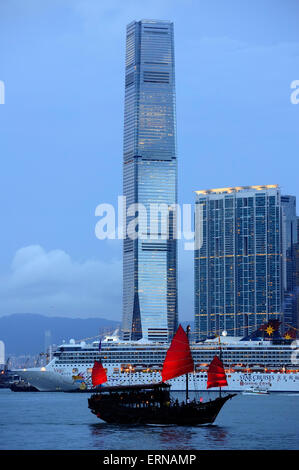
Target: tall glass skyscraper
<point x="150" y="177"/>
<point x="238" y="268"/>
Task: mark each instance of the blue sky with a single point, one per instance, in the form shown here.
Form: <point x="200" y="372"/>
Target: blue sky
<point x="62" y="63"/>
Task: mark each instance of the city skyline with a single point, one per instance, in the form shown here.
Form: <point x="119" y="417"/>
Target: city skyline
<point x="62" y="125"/>
<point x="132" y="297"/>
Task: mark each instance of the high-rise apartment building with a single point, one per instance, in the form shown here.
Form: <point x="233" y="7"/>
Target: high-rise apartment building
<point x="239" y="265"/>
<point x="297" y="280"/>
<point x="150" y="177"/>
<point x="289" y="243"/>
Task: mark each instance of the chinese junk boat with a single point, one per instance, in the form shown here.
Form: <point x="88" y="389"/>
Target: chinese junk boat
<point x="151" y="404"/>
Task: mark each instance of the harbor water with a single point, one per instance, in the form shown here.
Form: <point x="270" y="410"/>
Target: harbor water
<point x="63" y="421"/>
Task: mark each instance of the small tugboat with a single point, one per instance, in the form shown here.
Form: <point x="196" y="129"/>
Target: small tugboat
<point x="256" y="391"/>
<point x="151" y="404"/>
<point x="22" y="386"/>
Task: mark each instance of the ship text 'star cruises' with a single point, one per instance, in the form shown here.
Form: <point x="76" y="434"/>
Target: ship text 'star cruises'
<point x="249" y="362"/>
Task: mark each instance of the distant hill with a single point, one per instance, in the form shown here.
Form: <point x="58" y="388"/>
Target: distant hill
<point x="28" y="333"/>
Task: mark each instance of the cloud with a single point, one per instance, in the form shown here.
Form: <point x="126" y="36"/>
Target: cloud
<point x="52" y="283"/>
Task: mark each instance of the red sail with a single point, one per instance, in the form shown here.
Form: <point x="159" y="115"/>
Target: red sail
<point x="216" y="374"/>
<point x="178" y="360"/>
<point x="98" y="375"/>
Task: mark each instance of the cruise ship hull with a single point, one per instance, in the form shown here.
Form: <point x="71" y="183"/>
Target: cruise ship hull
<point x="47" y="381"/>
<point x="50" y="381"/>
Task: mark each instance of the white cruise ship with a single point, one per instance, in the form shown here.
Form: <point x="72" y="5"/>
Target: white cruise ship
<point x="248" y="363"/>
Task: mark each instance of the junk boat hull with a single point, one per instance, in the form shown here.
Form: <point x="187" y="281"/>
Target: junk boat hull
<point x="188" y="415"/>
<point x="117" y="410"/>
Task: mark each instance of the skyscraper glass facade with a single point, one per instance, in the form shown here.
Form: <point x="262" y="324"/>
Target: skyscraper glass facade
<point x="150" y="177"/>
<point x="238" y="268"/>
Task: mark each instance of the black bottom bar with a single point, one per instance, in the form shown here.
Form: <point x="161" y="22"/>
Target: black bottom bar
<point x="138" y="458"/>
